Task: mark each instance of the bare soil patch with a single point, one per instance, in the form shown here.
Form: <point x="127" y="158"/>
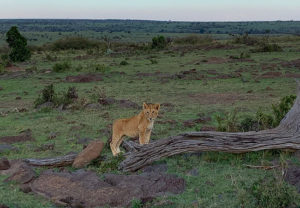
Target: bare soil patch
<point x="219" y="98"/>
<point x="23" y="137"/>
<point x="271" y="75"/>
<point x="85" y="189"/>
<point x="291" y="64"/>
<point x="84" y="78"/>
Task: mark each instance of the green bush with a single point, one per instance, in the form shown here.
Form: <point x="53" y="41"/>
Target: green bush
<point x="124" y="63"/>
<point x="49" y="95"/>
<point x="273" y="192"/>
<point x="75" y="43"/>
<point x="228" y="122"/>
<point x="101" y="68"/>
<point x="18" y="45"/>
<point x="267" y="47"/>
<point x="281" y="109"/>
<point x="61" y="67"/>
<point x="159" y="42"/>
<point x="2" y="69"/>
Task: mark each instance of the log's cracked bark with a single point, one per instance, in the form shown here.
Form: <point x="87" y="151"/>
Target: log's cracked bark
<point x="53" y="162"/>
<point x="285" y="136"/>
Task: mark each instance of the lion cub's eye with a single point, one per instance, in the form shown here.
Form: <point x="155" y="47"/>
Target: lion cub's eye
<point x="152" y="111"/>
<point x="147" y="112"/>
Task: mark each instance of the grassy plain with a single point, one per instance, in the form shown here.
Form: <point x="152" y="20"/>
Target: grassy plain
<point x="221" y="84"/>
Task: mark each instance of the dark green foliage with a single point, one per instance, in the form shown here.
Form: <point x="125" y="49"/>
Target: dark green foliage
<point x="194" y="39"/>
<point x="75" y="43"/>
<point x="280" y="110"/>
<point x="136" y="203"/>
<point x="61" y="67"/>
<point x="111" y="164"/>
<point x="49" y="95"/>
<point x="249" y="124"/>
<point x="273" y="192"/>
<point x="18" y="45"/>
<point x="153" y="61"/>
<point x="228" y="122"/>
<point x="5" y="60"/>
<point x="159" y="42"/>
<point x="101" y="68"/>
<point x="124" y="63"/>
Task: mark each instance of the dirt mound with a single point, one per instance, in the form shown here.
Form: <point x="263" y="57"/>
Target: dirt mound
<point x="82" y="78"/>
<point x="14" y="69"/>
<point x="219" y="98"/>
<point x="85" y="189"/>
<point x="271" y="75"/>
<point x="292" y="75"/>
<point x="121" y="103"/>
<point x="192" y="122"/>
<point x="215" y="60"/>
<point x="23" y="137"/>
<point x="19" y="172"/>
<point x="291" y="64"/>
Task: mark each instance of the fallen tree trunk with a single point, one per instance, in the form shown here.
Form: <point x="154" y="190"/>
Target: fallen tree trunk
<point x="285" y="136"/>
<point x="53" y="162"/>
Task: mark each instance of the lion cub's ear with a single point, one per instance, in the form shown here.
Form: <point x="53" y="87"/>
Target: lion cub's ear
<point x="157" y="106"/>
<point x="145" y="106"/>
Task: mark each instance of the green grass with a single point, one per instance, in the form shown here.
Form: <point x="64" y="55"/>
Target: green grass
<point x="223" y="179"/>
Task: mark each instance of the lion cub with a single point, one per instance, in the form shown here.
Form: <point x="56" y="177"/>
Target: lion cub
<point x="140" y="125"/>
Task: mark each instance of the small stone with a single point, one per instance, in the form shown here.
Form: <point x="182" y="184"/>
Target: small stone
<point x="4" y="164"/>
<point x="52" y="135"/>
<point x="18" y="98"/>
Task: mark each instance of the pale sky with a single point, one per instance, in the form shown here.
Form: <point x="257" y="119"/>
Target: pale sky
<point x="176" y="10"/>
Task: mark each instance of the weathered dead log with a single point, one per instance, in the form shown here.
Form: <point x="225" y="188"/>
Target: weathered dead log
<point x="285" y="136"/>
<point x="53" y="162"/>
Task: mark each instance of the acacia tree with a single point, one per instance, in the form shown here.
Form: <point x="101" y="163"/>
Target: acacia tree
<point x="18" y="45"/>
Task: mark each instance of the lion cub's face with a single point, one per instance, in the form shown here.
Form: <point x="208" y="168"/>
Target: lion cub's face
<point x="151" y="111"/>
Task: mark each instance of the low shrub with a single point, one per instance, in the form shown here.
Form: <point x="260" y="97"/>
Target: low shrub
<point x="49" y="95"/>
<point x="194" y="39"/>
<point x="159" y="42"/>
<point x="76" y="43"/>
<point x="124" y="63"/>
<point x="245" y="39"/>
<point x="267" y="47"/>
<point x="274" y="192"/>
<point x="101" y="68"/>
<point x="228" y="122"/>
<point x="61" y="67"/>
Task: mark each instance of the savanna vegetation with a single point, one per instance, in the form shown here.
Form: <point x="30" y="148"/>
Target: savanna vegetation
<point x="80" y="77"/>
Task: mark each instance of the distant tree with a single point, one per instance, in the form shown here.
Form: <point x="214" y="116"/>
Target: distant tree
<point x="18" y="45"/>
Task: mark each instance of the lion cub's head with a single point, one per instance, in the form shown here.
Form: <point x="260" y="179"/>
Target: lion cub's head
<point x="151" y="111"/>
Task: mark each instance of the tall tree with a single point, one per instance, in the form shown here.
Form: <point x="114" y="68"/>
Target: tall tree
<point x="18" y="44"/>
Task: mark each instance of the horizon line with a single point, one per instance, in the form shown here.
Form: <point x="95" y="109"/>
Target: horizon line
<point x="149" y="20"/>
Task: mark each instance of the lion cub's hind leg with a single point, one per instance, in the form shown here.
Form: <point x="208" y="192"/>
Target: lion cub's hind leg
<point x="117" y="138"/>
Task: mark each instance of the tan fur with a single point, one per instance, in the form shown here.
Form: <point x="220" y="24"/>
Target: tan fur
<point x="140" y="125"/>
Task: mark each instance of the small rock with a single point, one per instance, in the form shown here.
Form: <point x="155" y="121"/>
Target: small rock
<point x="91" y="152"/>
<point x="93" y="106"/>
<point x="4" y="164"/>
<point x="45" y="105"/>
<point x="52" y="135"/>
<point x="18" y="98"/>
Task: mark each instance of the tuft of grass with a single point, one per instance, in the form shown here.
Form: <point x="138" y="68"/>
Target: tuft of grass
<point x="61" y="67"/>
